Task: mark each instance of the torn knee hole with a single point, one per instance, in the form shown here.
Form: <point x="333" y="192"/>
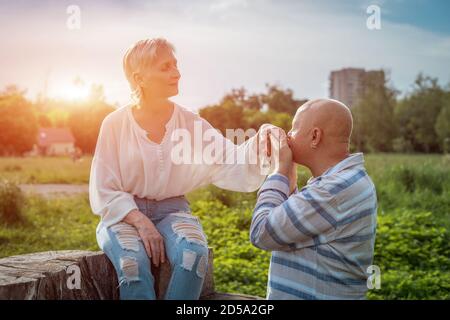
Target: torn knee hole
<point x="127" y="236"/>
<point x="189" y="258"/>
<point x="202" y="266"/>
<point x="191" y="232"/>
<point x="130" y="269"/>
<point x="188" y="262"/>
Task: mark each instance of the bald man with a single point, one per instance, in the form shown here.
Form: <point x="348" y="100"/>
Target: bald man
<point x="321" y="237"/>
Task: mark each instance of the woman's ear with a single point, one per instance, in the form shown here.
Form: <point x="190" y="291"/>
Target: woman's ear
<point x="316" y="137"/>
<point x="138" y="79"/>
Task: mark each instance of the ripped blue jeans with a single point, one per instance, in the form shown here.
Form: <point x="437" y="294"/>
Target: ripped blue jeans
<point x="185" y="244"/>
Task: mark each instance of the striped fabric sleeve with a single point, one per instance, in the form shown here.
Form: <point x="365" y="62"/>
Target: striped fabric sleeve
<point x="284" y="223"/>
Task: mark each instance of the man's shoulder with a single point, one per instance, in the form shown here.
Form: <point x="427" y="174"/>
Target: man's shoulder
<point x="340" y="186"/>
<point x="349" y="185"/>
<point x="342" y="180"/>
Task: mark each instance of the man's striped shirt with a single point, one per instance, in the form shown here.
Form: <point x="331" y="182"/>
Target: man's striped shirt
<point x="321" y="237"/>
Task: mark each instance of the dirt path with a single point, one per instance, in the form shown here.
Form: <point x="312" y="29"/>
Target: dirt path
<point x="55" y="190"/>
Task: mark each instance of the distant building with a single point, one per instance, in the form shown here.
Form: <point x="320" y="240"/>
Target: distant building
<point x="54" y="142"/>
<point x="348" y="85"/>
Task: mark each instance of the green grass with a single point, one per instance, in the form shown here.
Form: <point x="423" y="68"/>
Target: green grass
<point x="45" y="169"/>
<point x="57" y="224"/>
<point x="412" y="245"/>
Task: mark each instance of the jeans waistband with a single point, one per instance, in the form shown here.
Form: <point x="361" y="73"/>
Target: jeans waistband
<point x="147" y="202"/>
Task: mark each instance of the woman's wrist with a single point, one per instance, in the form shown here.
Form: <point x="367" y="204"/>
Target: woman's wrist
<point x="134" y="217"/>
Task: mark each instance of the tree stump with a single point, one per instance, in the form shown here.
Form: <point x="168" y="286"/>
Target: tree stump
<point x="53" y="275"/>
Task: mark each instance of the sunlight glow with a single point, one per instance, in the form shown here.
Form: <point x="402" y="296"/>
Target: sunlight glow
<point x="74" y="92"/>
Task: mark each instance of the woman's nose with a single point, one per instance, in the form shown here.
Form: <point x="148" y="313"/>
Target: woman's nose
<point x="176" y="74"/>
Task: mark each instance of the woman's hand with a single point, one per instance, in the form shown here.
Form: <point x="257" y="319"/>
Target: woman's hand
<point x="152" y="239"/>
<point x="265" y="145"/>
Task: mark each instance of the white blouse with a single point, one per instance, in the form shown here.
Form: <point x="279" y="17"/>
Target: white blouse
<point x="127" y="163"/>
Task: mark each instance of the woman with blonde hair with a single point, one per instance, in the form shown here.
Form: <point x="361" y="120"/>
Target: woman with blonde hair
<point x="139" y="190"/>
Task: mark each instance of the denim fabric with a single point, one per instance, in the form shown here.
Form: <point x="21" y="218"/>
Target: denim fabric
<point x="185" y="245"/>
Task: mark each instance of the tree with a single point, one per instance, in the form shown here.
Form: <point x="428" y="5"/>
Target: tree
<point x="280" y="100"/>
<point x="227" y="115"/>
<point x="85" y="122"/>
<point x="374" y="126"/>
<point x="18" y="122"/>
<point x="442" y="126"/>
<point x="44" y="120"/>
<point x="417" y="113"/>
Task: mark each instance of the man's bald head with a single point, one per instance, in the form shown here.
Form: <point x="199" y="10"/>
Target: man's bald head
<point x="321" y="127"/>
<point x="332" y="116"/>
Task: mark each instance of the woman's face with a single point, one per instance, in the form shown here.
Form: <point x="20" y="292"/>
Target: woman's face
<point x="160" y="79"/>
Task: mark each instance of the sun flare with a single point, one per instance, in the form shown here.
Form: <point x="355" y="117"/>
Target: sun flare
<point x="75" y="92"/>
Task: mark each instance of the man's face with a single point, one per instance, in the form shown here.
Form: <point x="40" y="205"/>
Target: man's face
<point x="298" y="137"/>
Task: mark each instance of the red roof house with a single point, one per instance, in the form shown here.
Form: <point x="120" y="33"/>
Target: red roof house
<point x="55" y="141"/>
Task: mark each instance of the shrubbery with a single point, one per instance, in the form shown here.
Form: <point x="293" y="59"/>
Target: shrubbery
<point x="11" y="203"/>
<point x="412" y="250"/>
<point x="238" y="266"/>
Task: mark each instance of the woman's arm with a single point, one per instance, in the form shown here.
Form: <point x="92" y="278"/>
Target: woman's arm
<point x="106" y="195"/>
<point x="244" y="172"/>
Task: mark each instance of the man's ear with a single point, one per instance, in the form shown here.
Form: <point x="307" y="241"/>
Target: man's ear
<point x="316" y="137"/>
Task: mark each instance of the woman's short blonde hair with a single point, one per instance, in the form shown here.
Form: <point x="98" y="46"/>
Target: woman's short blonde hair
<point x="139" y="56"/>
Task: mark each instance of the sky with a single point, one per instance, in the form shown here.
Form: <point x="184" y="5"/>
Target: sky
<point x="221" y="44"/>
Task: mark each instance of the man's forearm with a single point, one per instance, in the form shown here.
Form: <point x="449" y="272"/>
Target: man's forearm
<point x="273" y="193"/>
<point x="286" y="171"/>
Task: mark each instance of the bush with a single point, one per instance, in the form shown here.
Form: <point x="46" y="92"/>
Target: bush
<point x="408" y="240"/>
<point x="412" y="251"/>
<point x="238" y="265"/>
<point x="417" y="284"/>
<point x="11" y="203"/>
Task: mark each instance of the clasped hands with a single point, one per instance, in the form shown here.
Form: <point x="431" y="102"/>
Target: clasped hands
<point x="275" y="154"/>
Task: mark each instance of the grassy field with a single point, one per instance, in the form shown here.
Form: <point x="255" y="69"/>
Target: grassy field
<point x="45" y="169"/>
<point x="412" y="244"/>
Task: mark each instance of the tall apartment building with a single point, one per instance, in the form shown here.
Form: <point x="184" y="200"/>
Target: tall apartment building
<point x="348" y="84"/>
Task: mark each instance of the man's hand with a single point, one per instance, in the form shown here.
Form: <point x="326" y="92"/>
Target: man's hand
<point x="281" y="153"/>
<point x="151" y="238"/>
<point x="284" y="164"/>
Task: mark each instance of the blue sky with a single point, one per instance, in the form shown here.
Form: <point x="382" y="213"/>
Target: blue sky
<point x="223" y="44"/>
<point x="429" y="15"/>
